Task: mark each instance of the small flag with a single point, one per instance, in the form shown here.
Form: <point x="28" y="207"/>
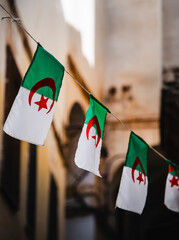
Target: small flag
<point x="89" y="145"/>
<point x="172" y="187"/>
<point x="134" y="182"/>
<point x="32" y="111"/>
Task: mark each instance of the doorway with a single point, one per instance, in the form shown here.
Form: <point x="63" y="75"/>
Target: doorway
<point x="11" y="146"/>
<point x="31" y="192"/>
<point x="53" y="211"/>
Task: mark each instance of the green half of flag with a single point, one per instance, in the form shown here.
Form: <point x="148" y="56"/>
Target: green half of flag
<point x="44" y="75"/>
<point x="137" y="154"/>
<point x="96" y="115"/>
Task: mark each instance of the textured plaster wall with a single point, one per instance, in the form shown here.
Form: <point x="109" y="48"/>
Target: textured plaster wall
<point x="133" y="57"/>
<point x="170" y="33"/>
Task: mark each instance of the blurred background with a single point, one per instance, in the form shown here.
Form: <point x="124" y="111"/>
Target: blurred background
<point x="127" y="54"/>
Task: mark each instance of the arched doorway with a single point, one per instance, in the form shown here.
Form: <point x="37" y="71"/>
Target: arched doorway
<point x="73" y="130"/>
<point x="80" y="223"/>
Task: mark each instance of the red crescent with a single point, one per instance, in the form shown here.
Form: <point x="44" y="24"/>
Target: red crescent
<point x="137" y="161"/>
<point x="46" y="82"/>
<point x="92" y="121"/>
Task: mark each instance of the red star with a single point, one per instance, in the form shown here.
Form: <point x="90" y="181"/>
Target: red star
<point x="94" y="137"/>
<point x="174" y="181"/>
<point x="42" y="103"/>
<point x="140" y="178"/>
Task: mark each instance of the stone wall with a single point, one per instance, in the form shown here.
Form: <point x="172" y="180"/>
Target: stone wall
<point x="170" y="91"/>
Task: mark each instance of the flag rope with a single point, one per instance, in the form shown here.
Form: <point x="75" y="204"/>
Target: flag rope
<point x="78" y="83"/>
<point x="17" y="20"/>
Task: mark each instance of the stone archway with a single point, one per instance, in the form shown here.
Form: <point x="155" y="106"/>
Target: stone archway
<point x="73" y="130"/>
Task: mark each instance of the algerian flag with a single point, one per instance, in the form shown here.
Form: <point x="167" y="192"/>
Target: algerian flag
<point x="32" y="111"/>
<point x="172" y="187"/>
<point x="89" y="145"/>
<point x="134" y="182"/>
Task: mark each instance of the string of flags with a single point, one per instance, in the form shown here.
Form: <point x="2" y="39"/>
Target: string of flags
<point x="31" y="115"/>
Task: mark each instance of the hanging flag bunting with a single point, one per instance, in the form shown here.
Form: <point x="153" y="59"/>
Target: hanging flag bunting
<point x="172" y="187"/>
<point x="32" y="111"/>
<point x="31" y="115"/>
<point x="89" y="146"/>
<point x="134" y="182"/>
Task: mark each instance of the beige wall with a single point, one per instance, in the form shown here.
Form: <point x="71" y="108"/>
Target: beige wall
<point x="133" y="56"/>
<point x="130" y="44"/>
<point x="170" y="33"/>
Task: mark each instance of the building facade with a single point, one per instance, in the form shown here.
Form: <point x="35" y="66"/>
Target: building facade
<point x="114" y="49"/>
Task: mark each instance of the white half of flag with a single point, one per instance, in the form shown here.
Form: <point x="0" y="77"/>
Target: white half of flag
<point x="25" y="122"/>
<point x="87" y="154"/>
<point x="132" y="195"/>
<point x="171" y="194"/>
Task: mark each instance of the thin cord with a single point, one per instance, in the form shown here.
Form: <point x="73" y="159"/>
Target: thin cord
<point x="18" y="23"/>
<point x="78" y="82"/>
<point x="17" y="20"/>
<point x="120" y="121"/>
<point x="132" y="131"/>
<point x="158" y="153"/>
